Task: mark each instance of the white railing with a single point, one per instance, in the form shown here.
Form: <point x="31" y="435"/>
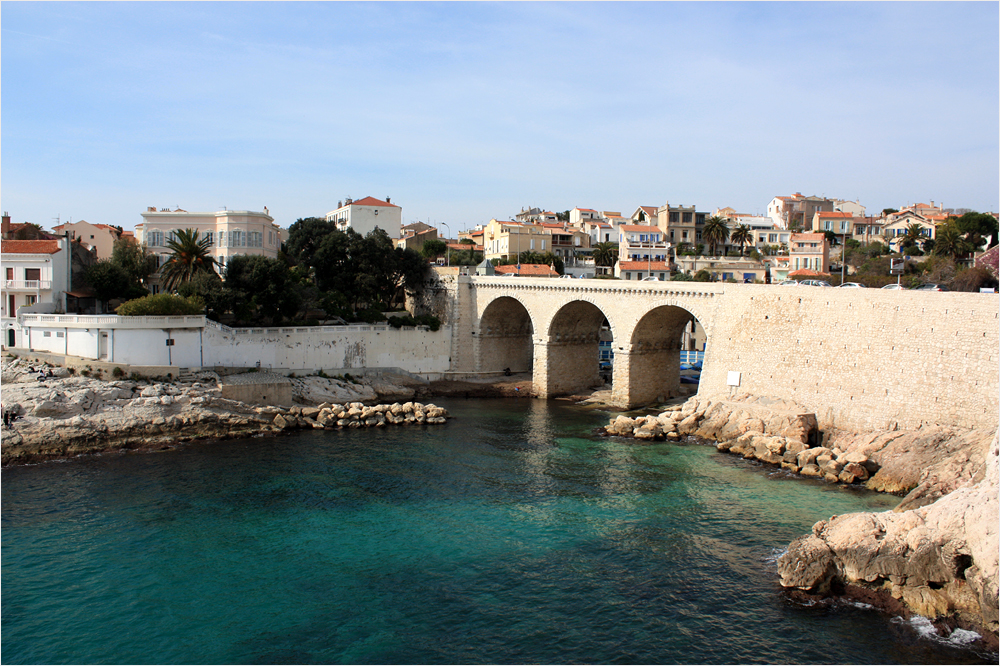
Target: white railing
<point x="27" y="284"/>
<point x="111" y="321"/>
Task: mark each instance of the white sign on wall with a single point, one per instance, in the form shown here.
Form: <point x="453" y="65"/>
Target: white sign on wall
<point x="733" y="378"/>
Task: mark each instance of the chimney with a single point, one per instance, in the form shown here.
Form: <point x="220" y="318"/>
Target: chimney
<point x="388" y="200"/>
<point x="5" y="226"/>
<point x="151" y="209"/>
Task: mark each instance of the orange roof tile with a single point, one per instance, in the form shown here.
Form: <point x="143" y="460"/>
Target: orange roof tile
<point x="30" y="247"/>
<point x="533" y="270"/>
<point x="643" y="265"/>
<point x="372" y="201"/>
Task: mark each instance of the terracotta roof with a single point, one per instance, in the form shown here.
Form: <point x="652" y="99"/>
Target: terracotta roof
<point x="805" y="272"/>
<point x="833" y="213"/>
<point x="372" y="201"/>
<point x="30" y="247"/>
<point x="586" y="210"/>
<point x="533" y="270"/>
<point x="643" y="265"/>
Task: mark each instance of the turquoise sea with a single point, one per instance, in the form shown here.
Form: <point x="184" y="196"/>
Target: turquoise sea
<point x="511" y="534"/>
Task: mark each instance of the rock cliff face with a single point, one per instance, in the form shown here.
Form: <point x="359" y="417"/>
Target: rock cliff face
<point x="936" y="553"/>
<point x="66" y="415"/>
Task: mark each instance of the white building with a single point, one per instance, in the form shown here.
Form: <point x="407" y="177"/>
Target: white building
<point x="36" y="274"/>
<point x="230" y="232"/>
<point x="366" y="214"/>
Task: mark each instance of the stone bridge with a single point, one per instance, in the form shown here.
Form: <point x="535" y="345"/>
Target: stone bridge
<point x="860" y="358"/>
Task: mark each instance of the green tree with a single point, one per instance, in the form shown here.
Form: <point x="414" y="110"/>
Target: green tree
<point x="108" y="281"/>
<point x="977" y="227"/>
<point x="914" y="237"/>
<point x="433" y="248"/>
<point x="951" y="242"/>
<point x="715" y="231"/>
<point x="606" y="254"/>
<point x="742" y="236"/>
<point x="188" y="256"/>
<point x="305" y="236"/>
<point x="134" y="259"/>
<point x="260" y="289"/>
<point x="211" y="290"/>
<point x="161" y="305"/>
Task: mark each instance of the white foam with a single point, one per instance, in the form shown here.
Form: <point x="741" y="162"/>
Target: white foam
<point x="963" y="637"/>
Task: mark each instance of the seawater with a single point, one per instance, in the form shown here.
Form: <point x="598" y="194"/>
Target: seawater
<point x="511" y="534"/>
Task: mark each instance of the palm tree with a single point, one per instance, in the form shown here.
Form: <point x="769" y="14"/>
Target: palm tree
<point x="189" y="255"/>
<point x="914" y="236"/>
<point x="606" y="254"/>
<point x="715" y="231"/>
<point x="951" y="243"/>
<point x="741" y="234"/>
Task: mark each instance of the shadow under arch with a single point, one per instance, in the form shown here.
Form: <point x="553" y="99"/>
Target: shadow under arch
<point x="573" y="350"/>
<point x="504" y="338"/>
<point x="654" y="360"/>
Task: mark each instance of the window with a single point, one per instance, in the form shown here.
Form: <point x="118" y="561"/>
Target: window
<point x="10" y="273"/>
<point x="30" y="300"/>
<point x="32" y="274"/>
<point x="60" y="334"/>
<point x="210" y="235"/>
<point x="46" y="334"/>
<point x="155" y="238"/>
<point x="628" y="275"/>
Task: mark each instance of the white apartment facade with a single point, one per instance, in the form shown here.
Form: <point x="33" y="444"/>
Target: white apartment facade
<point x="230" y="233"/>
<point x="37" y="275"/>
<point x="365" y="215"/>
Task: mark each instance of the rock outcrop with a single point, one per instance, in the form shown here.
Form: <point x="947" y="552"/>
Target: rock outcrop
<point x="935" y="554"/>
<point x="66" y="415"/>
<point x="939" y="560"/>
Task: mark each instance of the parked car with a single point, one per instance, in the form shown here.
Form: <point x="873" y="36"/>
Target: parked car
<point x="851" y="285"/>
<point x="789" y="283"/>
<point x="894" y="286"/>
<point x="815" y="283"/>
<point x="651" y="278"/>
<point x="931" y="286"/>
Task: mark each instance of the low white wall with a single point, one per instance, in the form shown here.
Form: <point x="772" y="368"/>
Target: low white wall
<point x="200" y="344"/>
<point x="419" y="351"/>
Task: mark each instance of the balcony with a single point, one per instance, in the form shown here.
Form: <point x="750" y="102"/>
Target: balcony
<point x="27" y="285"/>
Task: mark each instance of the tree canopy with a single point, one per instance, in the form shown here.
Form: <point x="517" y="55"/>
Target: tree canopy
<point x="189" y="255"/>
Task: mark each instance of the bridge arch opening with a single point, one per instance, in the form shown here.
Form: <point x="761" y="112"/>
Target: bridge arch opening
<point x="504" y="338"/>
<point x="652" y="368"/>
<point x="574" y="349"/>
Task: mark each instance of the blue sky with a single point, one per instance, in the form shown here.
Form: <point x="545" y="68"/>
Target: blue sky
<point x="463" y="112"/>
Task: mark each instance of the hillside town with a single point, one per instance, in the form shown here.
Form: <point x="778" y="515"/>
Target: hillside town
<point x="799" y="238"/>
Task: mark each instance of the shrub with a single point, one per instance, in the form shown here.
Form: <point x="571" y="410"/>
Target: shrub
<point x="117" y="373"/>
<point x="430" y="321"/>
<point x="160" y="305"/>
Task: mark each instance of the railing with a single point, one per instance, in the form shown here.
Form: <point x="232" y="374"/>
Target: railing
<point x="111" y="321"/>
<point x="691" y="357"/>
<point x="27" y="284"/>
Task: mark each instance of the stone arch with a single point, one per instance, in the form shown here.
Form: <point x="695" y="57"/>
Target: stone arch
<point x="571" y="351"/>
<point x="505" y="336"/>
<point x="650" y="370"/>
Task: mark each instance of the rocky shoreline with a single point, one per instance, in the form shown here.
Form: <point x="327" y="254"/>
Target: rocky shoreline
<point x="58" y="414"/>
<point x="935" y="555"/>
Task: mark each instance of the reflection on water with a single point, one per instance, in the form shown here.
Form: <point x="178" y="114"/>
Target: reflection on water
<point x="508" y="535"/>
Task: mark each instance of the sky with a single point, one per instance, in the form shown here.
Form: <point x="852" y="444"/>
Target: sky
<point x="463" y="112"/>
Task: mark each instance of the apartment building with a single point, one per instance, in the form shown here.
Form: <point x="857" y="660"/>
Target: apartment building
<point x="97" y="237"/>
<point x="507" y="239"/>
<point x="809" y="251"/>
<point x="680" y="224"/>
<point x="230" y="233"/>
<point x="365" y="215"/>
<point x="36" y="273"/>
<point x="838" y="222"/>
<point x="796" y="210"/>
